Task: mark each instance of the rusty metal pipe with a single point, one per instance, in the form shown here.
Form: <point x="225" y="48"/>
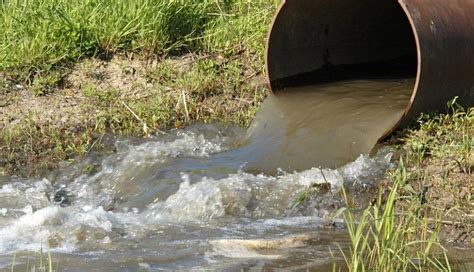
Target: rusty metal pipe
<point x="313" y="41"/>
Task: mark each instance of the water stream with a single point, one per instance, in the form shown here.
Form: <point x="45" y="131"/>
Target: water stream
<point x="324" y="125"/>
<point x="211" y="196"/>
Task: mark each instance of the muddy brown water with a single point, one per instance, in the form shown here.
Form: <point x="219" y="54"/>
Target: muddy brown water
<point x="196" y="199"/>
<point x="325" y="125"/>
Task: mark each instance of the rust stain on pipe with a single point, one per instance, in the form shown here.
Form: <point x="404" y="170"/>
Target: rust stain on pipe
<point x="316" y="41"/>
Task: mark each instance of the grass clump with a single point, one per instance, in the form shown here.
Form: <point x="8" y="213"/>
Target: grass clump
<point x="41" y="147"/>
<point x="425" y="205"/>
<point x="388" y="236"/>
<point x="43" y="85"/>
<point x="447" y="137"/>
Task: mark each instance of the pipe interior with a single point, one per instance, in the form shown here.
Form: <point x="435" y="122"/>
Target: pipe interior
<point x="320" y="41"/>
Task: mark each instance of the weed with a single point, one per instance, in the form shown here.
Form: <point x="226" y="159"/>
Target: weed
<point x="427" y="200"/>
<point x="43" y="85"/>
<point x="390" y="237"/>
<point x="447" y="137"/>
<point x="102" y="96"/>
<point x="44" y="265"/>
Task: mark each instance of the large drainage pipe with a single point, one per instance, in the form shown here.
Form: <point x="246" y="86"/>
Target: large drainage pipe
<point x="316" y="41"/>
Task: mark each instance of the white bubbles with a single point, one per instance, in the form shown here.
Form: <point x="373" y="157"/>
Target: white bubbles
<point x="241" y="194"/>
<point x="54" y="225"/>
<point x="366" y="169"/>
<point x="21" y="196"/>
<point x="149" y="188"/>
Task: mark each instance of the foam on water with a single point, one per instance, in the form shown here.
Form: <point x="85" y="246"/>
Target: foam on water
<point x="101" y="211"/>
<point x="241" y="194"/>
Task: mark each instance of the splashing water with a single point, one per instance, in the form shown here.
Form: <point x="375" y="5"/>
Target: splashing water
<point x="195" y="198"/>
<point x="170" y="200"/>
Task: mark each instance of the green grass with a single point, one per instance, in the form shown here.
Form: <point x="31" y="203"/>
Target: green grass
<point x="447" y="138"/>
<point x="42" y="266"/>
<point x="43" y="41"/>
<point x="39" y="35"/>
<point x="440" y="158"/>
<point x="427" y="197"/>
<point x="388" y="236"/>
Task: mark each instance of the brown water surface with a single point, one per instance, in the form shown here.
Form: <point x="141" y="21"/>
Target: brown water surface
<point x="324" y="125"/>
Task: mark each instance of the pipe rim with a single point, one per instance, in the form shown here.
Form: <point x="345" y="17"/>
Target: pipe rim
<point x="267" y="44"/>
<point x="416" y="37"/>
<point x="404" y="7"/>
<point x="410" y="102"/>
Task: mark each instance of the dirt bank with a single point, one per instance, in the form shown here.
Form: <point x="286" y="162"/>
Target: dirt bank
<point x="60" y="116"/>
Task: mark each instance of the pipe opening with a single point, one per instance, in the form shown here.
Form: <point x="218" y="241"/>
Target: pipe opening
<point x="322" y="41"/>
